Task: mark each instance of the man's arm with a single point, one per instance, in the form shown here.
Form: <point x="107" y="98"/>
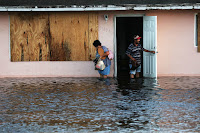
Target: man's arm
<point x="149" y="51"/>
<point x="133" y="59"/>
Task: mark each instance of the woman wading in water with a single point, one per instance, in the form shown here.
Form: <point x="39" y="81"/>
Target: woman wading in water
<point x="102" y="53"/>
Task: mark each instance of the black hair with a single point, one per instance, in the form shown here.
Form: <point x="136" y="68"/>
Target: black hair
<point x="97" y="43"/>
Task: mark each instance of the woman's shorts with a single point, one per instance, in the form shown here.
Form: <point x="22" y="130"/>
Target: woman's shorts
<point x="106" y="71"/>
<point x="136" y="70"/>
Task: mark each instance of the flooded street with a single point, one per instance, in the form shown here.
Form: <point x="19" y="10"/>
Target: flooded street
<point x="165" y="104"/>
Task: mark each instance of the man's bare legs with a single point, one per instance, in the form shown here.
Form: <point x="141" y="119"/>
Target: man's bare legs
<point x="132" y="76"/>
<point x="137" y="75"/>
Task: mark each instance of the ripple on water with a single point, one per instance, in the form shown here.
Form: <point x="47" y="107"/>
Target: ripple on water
<point x="91" y="105"/>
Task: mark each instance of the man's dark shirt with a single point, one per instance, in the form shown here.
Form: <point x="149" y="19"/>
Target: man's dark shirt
<point x="135" y="52"/>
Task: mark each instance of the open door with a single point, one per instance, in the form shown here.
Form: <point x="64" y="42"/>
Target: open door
<point x="149" y="43"/>
<point x="126" y="28"/>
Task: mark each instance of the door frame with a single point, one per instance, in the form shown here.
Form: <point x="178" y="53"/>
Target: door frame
<point x="115" y="38"/>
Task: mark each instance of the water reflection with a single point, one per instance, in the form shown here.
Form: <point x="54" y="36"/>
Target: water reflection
<point x="92" y="105"/>
<point x="137" y="94"/>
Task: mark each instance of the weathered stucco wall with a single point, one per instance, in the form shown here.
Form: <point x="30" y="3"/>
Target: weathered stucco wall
<point x="175" y="38"/>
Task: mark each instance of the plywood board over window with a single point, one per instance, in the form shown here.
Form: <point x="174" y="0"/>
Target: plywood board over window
<point x="53" y="36"/>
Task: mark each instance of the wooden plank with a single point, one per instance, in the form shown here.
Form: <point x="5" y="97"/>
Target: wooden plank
<point x="78" y="34"/>
<point x="17" y="38"/>
<point x="56" y="37"/>
<point x="36" y="36"/>
<point x="53" y="36"/>
<point x="40" y="37"/>
<point x="28" y="31"/>
<point x="69" y="40"/>
<point x="93" y="34"/>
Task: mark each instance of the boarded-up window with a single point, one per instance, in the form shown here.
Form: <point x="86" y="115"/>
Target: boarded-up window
<point x="53" y="36"/>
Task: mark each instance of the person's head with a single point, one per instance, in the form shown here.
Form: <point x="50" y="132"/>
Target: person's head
<point x="97" y="43"/>
<point x="136" y="39"/>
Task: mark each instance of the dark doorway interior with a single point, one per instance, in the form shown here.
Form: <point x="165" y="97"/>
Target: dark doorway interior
<point x="126" y="28"/>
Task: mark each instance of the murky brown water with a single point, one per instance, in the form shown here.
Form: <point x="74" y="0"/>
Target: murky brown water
<point x="166" y="104"/>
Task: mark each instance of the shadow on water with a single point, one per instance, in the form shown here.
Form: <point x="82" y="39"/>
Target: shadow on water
<point x="165" y="104"/>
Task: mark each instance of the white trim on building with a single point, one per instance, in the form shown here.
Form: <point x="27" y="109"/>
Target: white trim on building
<point x="101" y="8"/>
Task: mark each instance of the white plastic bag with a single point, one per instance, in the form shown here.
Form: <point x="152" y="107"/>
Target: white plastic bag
<point x="100" y="65"/>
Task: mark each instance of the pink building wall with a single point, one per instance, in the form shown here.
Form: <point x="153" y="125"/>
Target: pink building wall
<point x="175" y="38"/>
<point x="175" y="42"/>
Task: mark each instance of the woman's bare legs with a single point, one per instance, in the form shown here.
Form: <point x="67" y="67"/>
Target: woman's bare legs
<point x="137" y="75"/>
<point x="103" y="76"/>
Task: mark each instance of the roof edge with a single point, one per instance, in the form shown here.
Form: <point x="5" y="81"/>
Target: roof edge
<point x="101" y="7"/>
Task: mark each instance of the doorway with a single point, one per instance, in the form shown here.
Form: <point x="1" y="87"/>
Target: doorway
<point x="126" y="28"/>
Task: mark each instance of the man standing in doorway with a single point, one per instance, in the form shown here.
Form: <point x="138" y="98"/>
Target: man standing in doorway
<point x="134" y="52"/>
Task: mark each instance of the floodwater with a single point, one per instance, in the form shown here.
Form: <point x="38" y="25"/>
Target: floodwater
<point x="165" y="104"/>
